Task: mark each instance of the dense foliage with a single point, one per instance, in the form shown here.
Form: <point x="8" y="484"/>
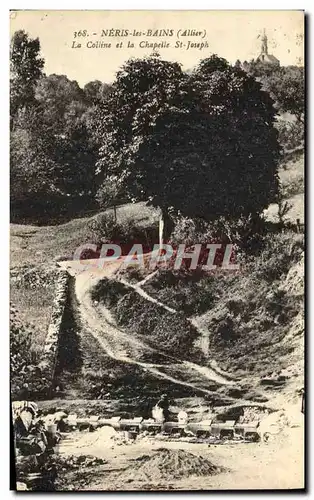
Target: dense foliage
<point x="53" y="153"/>
<point x="284" y="84"/>
<point x="173" y="138"/>
<point x="25" y="70"/>
<point x="25" y="377"/>
<point x="157" y="134"/>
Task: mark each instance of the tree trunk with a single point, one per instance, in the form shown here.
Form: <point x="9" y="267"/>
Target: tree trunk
<point x="161" y="230"/>
<point x="115" y="213"/>
<point x="166" y="226"/>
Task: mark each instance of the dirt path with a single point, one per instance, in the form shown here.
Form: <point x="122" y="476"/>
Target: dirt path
<point x="131" y="349"/>
<point x="121" y="346"/>
<point x="277" y="464"/>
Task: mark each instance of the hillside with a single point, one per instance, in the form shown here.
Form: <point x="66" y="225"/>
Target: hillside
<point x="291" y="175"/>
<point x="44" y="245"/>
<point x="135" y="367"/>
<point x="220" y="344"/>
<point x="245" y="299"/>
<point x="34" y="252"/>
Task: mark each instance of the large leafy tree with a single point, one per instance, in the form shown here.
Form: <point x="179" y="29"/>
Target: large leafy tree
<point x="243" y="149"/>
<point x="54" y="94"/>
<point x="26" y="67"/>
<point x="63" y="113"/>
<point x="96" y="91"/>
<point x="33" y="168"/>
<point x="202" y="144"/>
<point x="52" y="155"/>
<point x="286" y="86"/>
<point x="144" y="91"/>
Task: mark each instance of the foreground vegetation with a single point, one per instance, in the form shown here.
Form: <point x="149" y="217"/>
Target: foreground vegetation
<point x="146" y="135"/>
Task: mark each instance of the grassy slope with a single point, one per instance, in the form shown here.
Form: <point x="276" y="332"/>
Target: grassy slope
<point x="46" y="244"/>
<point x="291" y="177"/>
<point x="34" y="307"/>
<point x="39" y="248"/>
<point x="261" y="306"/>
<point x="270" y="340"/>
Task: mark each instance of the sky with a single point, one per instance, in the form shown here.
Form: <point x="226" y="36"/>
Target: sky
<point x="230" y="34"/>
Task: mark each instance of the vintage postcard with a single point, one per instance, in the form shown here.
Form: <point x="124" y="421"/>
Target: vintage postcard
<point x="157" y="250"/>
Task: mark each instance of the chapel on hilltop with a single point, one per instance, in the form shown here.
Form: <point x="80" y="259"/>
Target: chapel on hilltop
<point x="264" y="56"/>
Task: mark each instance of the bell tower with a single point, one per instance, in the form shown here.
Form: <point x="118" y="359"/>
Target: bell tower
<point x="264" y="44"/>
<point x="264" y="56"/>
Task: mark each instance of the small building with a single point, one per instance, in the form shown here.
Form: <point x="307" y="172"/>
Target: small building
<point x="265" y="57"/>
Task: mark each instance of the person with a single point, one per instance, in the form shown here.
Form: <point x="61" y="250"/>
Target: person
<point x="163" y="404"/>
<point x="182" y="417"/>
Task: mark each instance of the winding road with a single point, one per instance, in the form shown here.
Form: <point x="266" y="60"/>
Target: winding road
<point x="130" y="348"/>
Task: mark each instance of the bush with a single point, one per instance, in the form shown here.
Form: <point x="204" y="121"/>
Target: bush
<point x="33" y="277"/>
<point x="25" y="377"/>
<point x="279" y="254"/>
<point x="245" y="234"/>
<point x="110" y="193"/>
<point x="105" y="229"/>
<point x="293" y="187"/>
<point x="20" y="342"/>
<point x="191" y="293"/>
<point x="225" y="331"/>
<point x="102" y="227"/>
<point x="108" y="292"/>
<point x="133" y="273"/>
<point x="257" y="309"/>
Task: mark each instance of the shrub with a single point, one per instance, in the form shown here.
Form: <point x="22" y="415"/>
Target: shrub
<point x="133" y="273"/>
<point x="281" y="251"/>
<point x="26" y="378"/>
<point x="104" y="228"/>
<point x="245" y="234"/>
<point x="108" y="292"/>
<point x="293" y="187"/>
<point x="191" y="293"/>
<point x="225" y="331"/>
<point x="33" y="277"/>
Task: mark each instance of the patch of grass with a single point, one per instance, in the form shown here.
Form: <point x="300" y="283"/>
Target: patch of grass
<point x="191" y="294"/>
<point x="166" y="331"/>
<point x="35" y="249"/>
<point x="34" y="307"/>
<point x="34" y="245"/>
<point x="247" y="325"/>
<point x="291" y="176"/>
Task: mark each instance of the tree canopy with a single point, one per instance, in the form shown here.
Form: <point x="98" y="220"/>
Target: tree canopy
<point x="26" y="67"/>
<point x="202" y="144"/>
<point x="286" y="86"/>
<point x="53" y="155"/>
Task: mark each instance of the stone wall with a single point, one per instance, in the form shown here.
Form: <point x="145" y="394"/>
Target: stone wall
<point x="51" y="347"/>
